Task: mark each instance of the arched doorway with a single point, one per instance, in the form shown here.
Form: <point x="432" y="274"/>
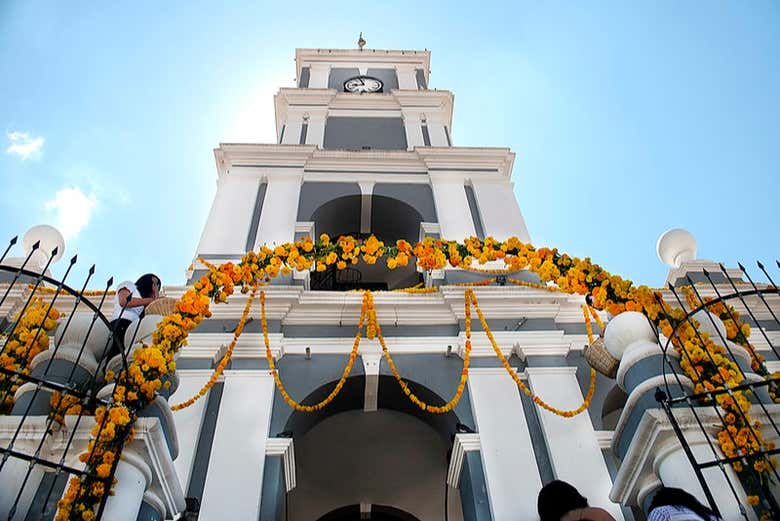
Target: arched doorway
<point x="378" y="513"/>
<point x="395" y="459"/>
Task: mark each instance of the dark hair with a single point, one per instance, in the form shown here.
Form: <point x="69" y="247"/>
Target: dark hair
<point x="677" y="497"/>
<point x="556" y="499"/>
<point x="144" y="284"/>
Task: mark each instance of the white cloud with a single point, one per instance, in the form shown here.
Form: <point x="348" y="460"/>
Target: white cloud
<point x="24" y="145"/>
<point x="72" y="210"/>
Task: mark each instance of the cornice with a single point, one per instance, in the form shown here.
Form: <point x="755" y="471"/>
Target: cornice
<point x="336" y="56"/>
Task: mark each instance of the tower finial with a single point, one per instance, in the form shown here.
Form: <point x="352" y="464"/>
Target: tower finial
<point x="361" y="41"/>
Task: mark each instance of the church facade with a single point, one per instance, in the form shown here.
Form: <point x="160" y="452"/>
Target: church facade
<point x="365" y="147"/>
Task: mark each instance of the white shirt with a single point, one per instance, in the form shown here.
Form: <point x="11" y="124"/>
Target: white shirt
<point x="129" y="313"/>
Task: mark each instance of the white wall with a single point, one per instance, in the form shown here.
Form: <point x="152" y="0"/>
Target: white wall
<point x="227" y="227"/>
<point x="508" y="459"/>
<point x="499" y="209"/>
<point x="280" y="208"/>
<point x="452" y="206"/>
<point x="574" y="451"/>
<point x="188" y="421"/>
<point x="235" y="477"/>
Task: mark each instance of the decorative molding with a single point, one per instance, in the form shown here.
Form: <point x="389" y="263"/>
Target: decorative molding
<point x="464" y="442"/>
<point x="285" y="448"/>
<point x="604" y="438"/>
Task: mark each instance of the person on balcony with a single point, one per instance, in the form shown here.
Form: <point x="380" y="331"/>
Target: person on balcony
<point x="130" y="301"/>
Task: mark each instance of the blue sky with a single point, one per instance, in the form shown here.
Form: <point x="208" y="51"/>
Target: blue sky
<point x="627" y="118"/>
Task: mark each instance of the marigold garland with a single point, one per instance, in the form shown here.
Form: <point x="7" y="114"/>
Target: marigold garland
<point x="703" y="360"/>
<point x="225" y="358"/>
<point x="26" y="341"/>
<point x="345" y="374"/>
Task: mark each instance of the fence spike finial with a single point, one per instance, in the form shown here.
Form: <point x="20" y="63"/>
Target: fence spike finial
<point x="92" y="270"/>
<point x="73" y="260"/>
<point x="741" y="267"/>
<point x="36" y="245"/>
<point x="760" y="266"/>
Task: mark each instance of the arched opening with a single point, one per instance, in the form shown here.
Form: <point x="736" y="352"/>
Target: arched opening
<point x="377" y="513"/>
<point x="394" y="459"/>
<point x="390" y="219"/>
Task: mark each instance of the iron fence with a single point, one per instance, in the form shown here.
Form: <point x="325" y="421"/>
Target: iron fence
<point x="757" y="302"/>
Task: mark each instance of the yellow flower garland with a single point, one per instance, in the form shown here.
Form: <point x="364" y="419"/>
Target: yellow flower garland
<point x="703" y="361"/>
<point x="225" y="359"/>
<point x="337" y="389"/>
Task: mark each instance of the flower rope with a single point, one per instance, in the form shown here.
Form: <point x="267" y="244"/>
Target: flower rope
<point x="450" y="405"/>
<point x="225" y="359"/>
<point x="348" y="369"/>
<point x="523" y="387"/>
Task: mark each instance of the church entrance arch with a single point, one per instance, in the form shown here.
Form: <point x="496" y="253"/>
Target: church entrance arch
<point x="395" y="458"/>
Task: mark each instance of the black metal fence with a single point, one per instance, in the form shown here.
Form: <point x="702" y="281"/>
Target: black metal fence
<point x="39" y="446"/>
<point x="756" y="301"/>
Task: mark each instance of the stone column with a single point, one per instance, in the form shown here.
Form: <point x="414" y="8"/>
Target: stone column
<point x="407" y="78"/>
<point x="412" y="124"/>
<point x="188" y="421"/>
<point x="280" y="208"/>
<point x="227" y="226"/>
<point x="498" y="207"/>
<point x="235" y="478"/>
<point x="506" y="444"/>
<point x="318" y="75"/>
<point x="575" y="453"/>
<point x="452" y="206"/>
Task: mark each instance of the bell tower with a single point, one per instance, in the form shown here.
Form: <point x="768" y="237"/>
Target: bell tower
<point x="363" y="146"/>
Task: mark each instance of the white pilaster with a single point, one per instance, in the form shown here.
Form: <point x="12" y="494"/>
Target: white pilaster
<point x="316" y="132"/>
<point x="235" y="477"/>
<point x="499" y="209"/>
<point x="366" y="194"/>
<point x="227" y="226"/>
<point x="511" y="474"/>
<point x="438" y="136"/>
<point x="414" y="136"/>
<point x="189" y="420"/>
<point x="407" y="79"/>
<point x="280" y="208"/>
<point x="574" y="449"/>
<point x="318" y="75"/>
<point x="452" y="206"/>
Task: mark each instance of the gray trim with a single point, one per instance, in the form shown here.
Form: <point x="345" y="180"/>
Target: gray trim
<point x="364" y="133"/>
<point x="418" y="196"/>
<point x="255" y="222"/>
<point x="148" y="513"/>
<point x="338" y="75"/>
<point x="420" y="75"/>
<point x="473" y="490"/>
<point x="612" y="467"/>
<point x="315" y="194"/>
<point x="200" y="464"/>
<point x="38" y="511"/>
<point x="281" y="136"/>
<point x="447" y="135"/>
<point x="304" y="131"/>
<point x="426" y="136"/>
<point x="546" y="361"/>
<point x="387" y="76"/>
<point x="474" y="209"/>
<point x="538" y="441"/>
<point x="348" y="330"/>
<point x="362" y="172"/>
<point x="229" y="256"/>
<point x="274" y="490"/>
<point x="303" y="81"/>
<point x="463" y="169"/>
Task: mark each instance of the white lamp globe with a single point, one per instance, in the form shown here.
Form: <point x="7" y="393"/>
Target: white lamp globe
<point x="675" y="247"/>
<point x="49" y="238"/>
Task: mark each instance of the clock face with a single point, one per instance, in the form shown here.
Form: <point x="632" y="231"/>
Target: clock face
<point x="363" y="84"/>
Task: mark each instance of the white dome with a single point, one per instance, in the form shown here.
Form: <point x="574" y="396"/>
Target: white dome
<point x="675" y="247"/>
<point x="712" y="325"/>
<point x="625" y="329"/>
<point x="49" y="238"/>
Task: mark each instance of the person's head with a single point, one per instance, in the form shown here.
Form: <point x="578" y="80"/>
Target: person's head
<point x="677" y="497"/>
<point x="556" y="499"/>
<point x="148" y="285"/>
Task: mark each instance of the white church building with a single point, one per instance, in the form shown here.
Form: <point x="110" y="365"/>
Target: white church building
<point x="365" y="146"/>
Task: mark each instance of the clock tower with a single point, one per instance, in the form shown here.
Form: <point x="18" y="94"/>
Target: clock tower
<point x="363" y="146"/>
